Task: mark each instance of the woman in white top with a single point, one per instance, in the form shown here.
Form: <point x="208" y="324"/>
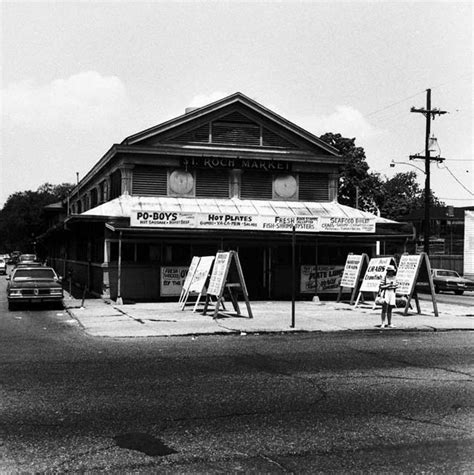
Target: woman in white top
<point x="388" y="288"/>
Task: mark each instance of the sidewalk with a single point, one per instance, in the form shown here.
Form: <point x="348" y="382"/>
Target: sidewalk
<point x="103" y="318"/>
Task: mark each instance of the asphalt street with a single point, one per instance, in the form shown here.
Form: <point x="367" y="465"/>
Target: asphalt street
<point x="304" y="403"/>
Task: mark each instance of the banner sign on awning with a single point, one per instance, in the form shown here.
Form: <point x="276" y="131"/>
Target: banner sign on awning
<point x="253" y="222"/>
<point x="349" y="225"/>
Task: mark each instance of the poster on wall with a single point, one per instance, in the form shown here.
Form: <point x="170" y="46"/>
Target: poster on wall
<point x="407" y="272"/>
<point x="375" y="273"/>
<point x="172" y="280"/>
<point x="329" y="278"/>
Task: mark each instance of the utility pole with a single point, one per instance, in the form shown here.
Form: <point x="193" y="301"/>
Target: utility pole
<point x="429" y="114"/>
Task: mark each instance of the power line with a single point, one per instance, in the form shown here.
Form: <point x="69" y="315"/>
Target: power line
<point x="418" y="93"/>
<point x="454" y="176"/>
<point x="394" y="104"/>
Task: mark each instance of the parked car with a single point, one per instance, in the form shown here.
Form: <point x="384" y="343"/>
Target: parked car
<point x="450" y="280"/>
<point x="33" y="284"/>
<point x="27" y="258"/>
<point x="3" y="266"/>
<point x="29" y="264"/>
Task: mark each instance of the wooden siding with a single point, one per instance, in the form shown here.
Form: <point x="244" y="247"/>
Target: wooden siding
<point x="256" y="186"/>
<point x="271" y="139"/>
<point x="198" y="135"/>
<point x="313" y="187"/>
<point x="212" y="183"/>
<point x="235" y="133"/>
<point x="149" y="181"/>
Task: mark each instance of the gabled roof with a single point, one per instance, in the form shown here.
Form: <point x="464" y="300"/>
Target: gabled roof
<point x="238" y="100"/>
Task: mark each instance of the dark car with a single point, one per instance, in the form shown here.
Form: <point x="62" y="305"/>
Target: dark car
<point x="33" y="284"/>
<point x="450" y="280"/>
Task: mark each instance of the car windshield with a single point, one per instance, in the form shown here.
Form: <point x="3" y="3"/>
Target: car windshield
<point x="447" y="273"/>
<point x="33" y="274"/>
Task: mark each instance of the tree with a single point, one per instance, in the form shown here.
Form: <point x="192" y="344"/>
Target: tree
<point x="401" y="195"/>
<point x="358" y="187"/>
<point x="22" y="217"/>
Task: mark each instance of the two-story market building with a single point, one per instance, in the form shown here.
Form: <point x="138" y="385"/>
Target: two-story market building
<point x="232" y="175"/>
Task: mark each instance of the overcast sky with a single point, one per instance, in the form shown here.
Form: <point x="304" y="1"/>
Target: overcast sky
<point x="80" y="76"/>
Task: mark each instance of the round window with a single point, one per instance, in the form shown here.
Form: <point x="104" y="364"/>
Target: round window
<point x="181" y="182"/>
<point x="285" y="186"/>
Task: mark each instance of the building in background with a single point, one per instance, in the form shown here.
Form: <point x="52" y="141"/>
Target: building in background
<point x="447" y="229"/>
<point x="231" y="175"/>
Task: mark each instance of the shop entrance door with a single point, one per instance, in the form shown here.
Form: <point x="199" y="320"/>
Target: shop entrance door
<point x="254" y="261"/>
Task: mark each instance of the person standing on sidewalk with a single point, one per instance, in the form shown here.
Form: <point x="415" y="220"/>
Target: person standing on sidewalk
<point x="387" y="289"/>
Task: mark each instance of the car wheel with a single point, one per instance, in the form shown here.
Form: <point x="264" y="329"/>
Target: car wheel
<point x="437" y="289"/>
<point x="459" y="292"/>
<point x="11" y="306"/>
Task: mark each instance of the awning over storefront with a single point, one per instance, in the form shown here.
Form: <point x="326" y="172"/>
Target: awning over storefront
<point x="169" y="214"/>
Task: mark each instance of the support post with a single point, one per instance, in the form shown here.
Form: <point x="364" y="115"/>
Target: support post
<point x="119" y="272"/>
<point x="293" y="276"/>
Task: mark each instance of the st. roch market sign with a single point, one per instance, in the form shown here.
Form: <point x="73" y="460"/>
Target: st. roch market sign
<point x="249" y="222"/>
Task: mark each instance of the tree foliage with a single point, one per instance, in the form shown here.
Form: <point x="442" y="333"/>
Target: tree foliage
<point x="359" y="187"/>
<point x="22" y="217"/>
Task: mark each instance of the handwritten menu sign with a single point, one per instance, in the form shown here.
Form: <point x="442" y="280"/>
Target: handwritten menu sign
<point x="351" y="271"/>
<point x="199" y="279"/>
<point x="374" y="274"/>
<point x="407" y="272"/>
<point x="191" y="271"/>
<point x="219" y="273"/>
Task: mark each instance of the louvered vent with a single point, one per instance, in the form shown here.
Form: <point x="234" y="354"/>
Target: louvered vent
<point x="149" y="181"/>
<point x="200" y="135"/>
<point x="235" y="133"/>
<point x="271" y="139"/>
<point x="313" y="187"/>
<point x="212" y="183"/>
<point x="256" y="186"/>
<point x="236" y="117"/>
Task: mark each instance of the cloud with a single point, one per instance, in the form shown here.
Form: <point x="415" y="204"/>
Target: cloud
<point x="346" y="120"/>
<point x="84" y="101"/>
<point x="204" y="99"/>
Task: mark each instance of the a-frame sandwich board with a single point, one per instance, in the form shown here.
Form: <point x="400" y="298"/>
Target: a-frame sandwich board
<point x="373" y="276"/>
<point x="187" y="282"/>
<point x="199" y="281"/>
<point x="408" y="273"/>
<point x="219" y="283"/>
<point x="356" y="265"/>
